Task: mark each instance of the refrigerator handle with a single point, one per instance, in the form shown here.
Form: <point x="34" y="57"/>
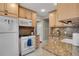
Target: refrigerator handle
<point x="8" y="21"/>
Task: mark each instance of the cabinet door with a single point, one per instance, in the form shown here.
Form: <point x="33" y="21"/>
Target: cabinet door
<point x="66" y="11"/>
<point x="28" y="14"/>
<point x="1" y="14"/>
<point x="1" y="7"/>
<point x="11" y="15"/>
<point x="58" y="23"/>
<point x="52" y="19"/>
<point x="11" y="8"/>
<point x="34" y="15"/>
<point x="21" y="12"/>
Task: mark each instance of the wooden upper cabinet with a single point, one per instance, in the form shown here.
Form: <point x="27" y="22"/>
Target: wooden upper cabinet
<point x="67" y="11"/>
<point x="58" y="23"/>
<point x="2" y="7"/>
<point x="28" y="14"/>
<point x="34" y="16"/>
<point x="25" y="13"/>
<point x="11" y="8"/>
<point x="52" y="19"/>
<point x="21" y="12"/>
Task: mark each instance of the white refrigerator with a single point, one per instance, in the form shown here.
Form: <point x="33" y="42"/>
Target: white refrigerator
<point x="9" y="45"/>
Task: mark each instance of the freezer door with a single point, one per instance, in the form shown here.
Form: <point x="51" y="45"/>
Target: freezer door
<point x="9" y="44"/>
<point x="8" y="24"/>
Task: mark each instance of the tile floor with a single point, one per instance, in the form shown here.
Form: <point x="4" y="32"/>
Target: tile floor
<point x="40" y="52"/>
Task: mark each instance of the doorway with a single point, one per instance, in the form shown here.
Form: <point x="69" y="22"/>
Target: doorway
<point x="43" y="31"/>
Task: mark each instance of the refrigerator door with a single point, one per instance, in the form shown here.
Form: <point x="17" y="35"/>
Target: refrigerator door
<point x="9" y="44"/>
<point x="8" y="24"/>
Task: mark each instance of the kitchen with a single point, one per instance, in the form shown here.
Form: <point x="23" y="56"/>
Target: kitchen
<point x="19" y="35"/>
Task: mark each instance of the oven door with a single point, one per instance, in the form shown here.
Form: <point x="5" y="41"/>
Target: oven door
<point x="27" y="44"/>
<point x="24" y="43"/>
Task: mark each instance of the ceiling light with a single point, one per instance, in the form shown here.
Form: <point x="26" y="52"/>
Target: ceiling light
<point x="55" y="4"/>
<point x="43" y="10"/>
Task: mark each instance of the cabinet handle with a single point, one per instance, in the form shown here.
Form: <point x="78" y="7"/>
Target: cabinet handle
<point x="25" y="17"/>
<point x="5" y="13"/>
<point x="8" y="21"/>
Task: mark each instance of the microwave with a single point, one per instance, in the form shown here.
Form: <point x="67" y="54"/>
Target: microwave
<point x="25" y="22"/>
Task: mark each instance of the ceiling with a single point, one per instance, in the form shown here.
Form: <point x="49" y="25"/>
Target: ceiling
<point x="38" y="6"/>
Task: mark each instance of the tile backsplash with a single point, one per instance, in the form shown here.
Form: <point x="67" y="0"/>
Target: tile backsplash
<point x="64" y="32"/>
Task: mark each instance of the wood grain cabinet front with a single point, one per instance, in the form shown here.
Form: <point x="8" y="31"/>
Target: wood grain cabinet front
<point x="67" y="11"/>
<point x="2" y="7"/>
<point x="9" y="8"/>
<point x="34" y="16"/>
<point x="21" y="12"/>
<point x="52" y="19"/>
<point x="28" y="14"/>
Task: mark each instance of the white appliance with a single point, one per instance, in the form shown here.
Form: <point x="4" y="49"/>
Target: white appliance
<point x="76" y="39"/>
<point x="8" y="36"/>
<point x="25" y="22"/>
<point x="69" y="41"/>
<point x="25" y="49"/>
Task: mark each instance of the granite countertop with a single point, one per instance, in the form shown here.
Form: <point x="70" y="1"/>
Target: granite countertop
<point x="61" y="48"/>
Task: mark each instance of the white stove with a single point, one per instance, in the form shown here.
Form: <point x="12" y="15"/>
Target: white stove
<point x="27" y="44"/>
